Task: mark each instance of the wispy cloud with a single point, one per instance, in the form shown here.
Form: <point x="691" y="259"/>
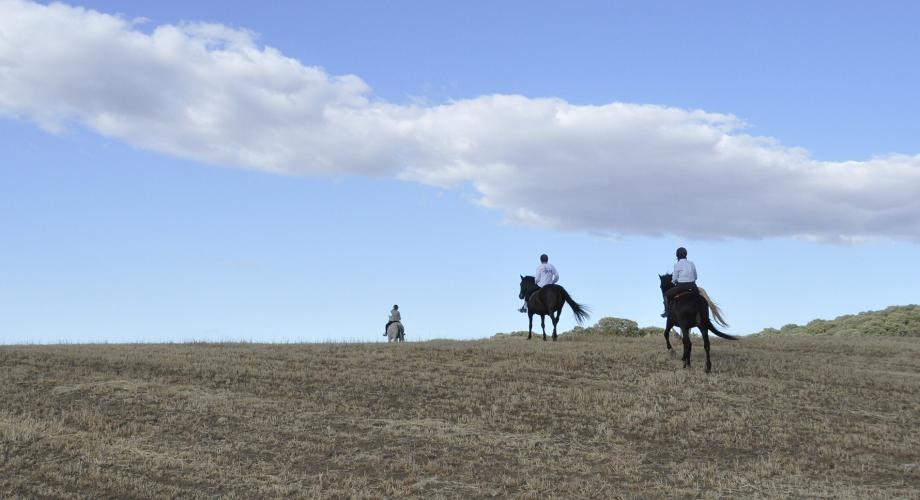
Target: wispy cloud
<point x="213" y="94"/>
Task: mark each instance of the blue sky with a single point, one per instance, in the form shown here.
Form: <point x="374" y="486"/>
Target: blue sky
<point x="123" y="222"/>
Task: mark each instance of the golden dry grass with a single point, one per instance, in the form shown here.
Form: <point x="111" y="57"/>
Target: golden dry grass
<point x="595" y="417"/>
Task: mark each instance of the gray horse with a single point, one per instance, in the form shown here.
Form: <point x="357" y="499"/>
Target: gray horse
<point x="396" y="332"/>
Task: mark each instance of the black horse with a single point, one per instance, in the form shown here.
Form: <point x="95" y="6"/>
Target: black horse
<point x="688" y="310"/>
<point x="548" y="300"/>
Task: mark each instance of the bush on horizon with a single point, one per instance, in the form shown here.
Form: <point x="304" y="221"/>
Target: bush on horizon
<point x="899" y="321"/>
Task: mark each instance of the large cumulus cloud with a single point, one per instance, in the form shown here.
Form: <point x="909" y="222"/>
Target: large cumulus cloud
<point x="213" y="94"/>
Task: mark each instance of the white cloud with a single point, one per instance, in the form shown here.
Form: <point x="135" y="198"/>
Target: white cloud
<point x="211" y="93"/>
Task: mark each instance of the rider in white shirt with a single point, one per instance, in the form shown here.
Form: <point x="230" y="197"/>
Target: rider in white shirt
<point x="394" y="318"/>
<point x="545" y="274"/>
<point x="683" y="277"/>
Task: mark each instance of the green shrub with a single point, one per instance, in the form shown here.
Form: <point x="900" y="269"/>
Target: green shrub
<point x="903" y="321"/>
<point x="613" y="327"/>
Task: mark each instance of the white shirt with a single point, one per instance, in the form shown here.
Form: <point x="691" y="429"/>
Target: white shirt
<point x="684" y="272"/>
<point x="546" y="274"/>
<point x="395" y="316"/>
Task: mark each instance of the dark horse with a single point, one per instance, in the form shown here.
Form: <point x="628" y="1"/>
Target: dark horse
<point x="688" y="310"/>
<point x="548" y="300"/>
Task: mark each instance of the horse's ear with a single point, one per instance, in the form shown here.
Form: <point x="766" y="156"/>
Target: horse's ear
<point x="521" y="275"/>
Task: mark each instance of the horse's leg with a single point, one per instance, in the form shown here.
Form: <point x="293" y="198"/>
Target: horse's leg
<point x="705" y="333"/>
<point x="543" y="325"/>
<point x="529" y="324"/>
<point x="702" y="317"/>
<point x="555" y="321"/>
<point x="685" y="327"/>
<point x="667" y="335"/>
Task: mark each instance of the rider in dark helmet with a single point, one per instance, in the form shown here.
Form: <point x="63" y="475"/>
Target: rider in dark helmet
<point x="683" y="277"/>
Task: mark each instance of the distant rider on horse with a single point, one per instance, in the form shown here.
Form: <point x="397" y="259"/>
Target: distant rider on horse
<point x="394" y="318"/>
<point x="683" y="277"/>
<point x="546" y="274"/>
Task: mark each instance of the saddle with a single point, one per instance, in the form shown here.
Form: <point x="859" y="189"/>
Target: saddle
<point x="685" y="293"/>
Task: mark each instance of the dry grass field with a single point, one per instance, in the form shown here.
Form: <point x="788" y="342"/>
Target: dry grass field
<point x="592" y="417"/>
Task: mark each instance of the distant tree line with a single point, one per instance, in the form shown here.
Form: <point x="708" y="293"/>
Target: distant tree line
<point x="902" y="321"/>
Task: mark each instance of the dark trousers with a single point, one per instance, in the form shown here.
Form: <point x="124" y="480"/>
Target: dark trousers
<point x="677" y="289"/>
<point x="680" y="288"/>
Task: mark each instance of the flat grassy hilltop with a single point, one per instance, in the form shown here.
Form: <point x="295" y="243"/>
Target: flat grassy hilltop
<point x="595" y="417"/>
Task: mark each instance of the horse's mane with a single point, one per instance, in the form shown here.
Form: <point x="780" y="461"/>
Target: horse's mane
<point x="526" y="280"/>
<point x="665" y="279"/>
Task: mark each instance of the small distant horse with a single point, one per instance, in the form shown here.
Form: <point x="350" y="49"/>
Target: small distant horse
<point x="688" y="310"/>
<point x="548" y="300"/>
<point x="396" y="332"/>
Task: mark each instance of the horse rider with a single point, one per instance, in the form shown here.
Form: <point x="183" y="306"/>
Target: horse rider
<point x="683" y="277"/>
<point x="545" y="274"/>
<point x="394" y="318"/>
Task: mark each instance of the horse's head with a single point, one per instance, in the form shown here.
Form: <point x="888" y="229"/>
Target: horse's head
<point x="527" y="283"/>
<point x="665" y="281"/>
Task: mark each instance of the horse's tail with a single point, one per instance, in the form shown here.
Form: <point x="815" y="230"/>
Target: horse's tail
<point x="581" y="311"/>
<point x="716" y="311"/>
<point x="714" y="330"/>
